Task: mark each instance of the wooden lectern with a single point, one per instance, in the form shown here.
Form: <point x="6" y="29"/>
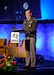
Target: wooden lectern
<point x="20" y="51"/>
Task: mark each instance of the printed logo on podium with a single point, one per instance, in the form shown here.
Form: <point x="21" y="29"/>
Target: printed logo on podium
<point x="14" y="37"/>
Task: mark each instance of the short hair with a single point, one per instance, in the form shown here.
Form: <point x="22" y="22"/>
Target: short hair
<point x="27" y="10"/>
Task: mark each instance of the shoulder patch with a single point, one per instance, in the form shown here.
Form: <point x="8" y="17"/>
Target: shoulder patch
<point x="34" y="19"/>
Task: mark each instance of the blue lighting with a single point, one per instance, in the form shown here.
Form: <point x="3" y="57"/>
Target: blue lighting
<point x="40" y="44"/>
<point x="50" y="42"/>
<point x="44" y="42"/>
<point x="40" y="41"/>
<point x="47" y="9"/>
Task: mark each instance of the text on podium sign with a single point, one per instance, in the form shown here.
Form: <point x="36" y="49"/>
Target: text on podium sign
<point x="14" y="37"/>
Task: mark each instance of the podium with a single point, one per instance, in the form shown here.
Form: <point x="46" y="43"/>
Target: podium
<point x="20" y="50"/>
<point x="17" y="30"/>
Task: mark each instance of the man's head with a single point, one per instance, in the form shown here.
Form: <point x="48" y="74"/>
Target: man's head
<point x="28" y="14"/>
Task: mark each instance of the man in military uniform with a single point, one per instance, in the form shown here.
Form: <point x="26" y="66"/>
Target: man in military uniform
<point x="30" y="27"/>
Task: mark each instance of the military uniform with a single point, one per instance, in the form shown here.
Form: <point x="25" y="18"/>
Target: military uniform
<point x="30" y="27"/>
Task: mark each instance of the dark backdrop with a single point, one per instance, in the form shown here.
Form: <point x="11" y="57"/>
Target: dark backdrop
<point x="13" y="9"/>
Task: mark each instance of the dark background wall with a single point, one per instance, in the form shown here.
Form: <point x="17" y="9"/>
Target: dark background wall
<point x="14" y="10"/>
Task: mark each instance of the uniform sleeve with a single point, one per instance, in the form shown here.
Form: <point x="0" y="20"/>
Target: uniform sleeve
<point x="24" y="22"/>
<point x="34" y="25"/>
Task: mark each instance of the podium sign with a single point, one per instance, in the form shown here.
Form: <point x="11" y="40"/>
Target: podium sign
<point x="14" y="37"/>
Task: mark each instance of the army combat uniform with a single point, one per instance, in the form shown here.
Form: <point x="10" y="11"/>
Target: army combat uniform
<point x="30" y="26"/>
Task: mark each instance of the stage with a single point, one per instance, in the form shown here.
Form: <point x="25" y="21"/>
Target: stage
<point x="44" y="47"/>
<point x="11" y="18"/>
<point x="41" y="69"/>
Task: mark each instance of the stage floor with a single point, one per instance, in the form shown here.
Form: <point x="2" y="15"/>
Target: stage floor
<point x="41" y="69"/>
<point x="45" y="68"/>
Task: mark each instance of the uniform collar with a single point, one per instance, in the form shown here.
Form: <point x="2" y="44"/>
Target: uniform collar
<point x="29" y="19"/>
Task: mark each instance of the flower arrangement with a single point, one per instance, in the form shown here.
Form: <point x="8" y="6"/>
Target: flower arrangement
<point x="8" y="63"/>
